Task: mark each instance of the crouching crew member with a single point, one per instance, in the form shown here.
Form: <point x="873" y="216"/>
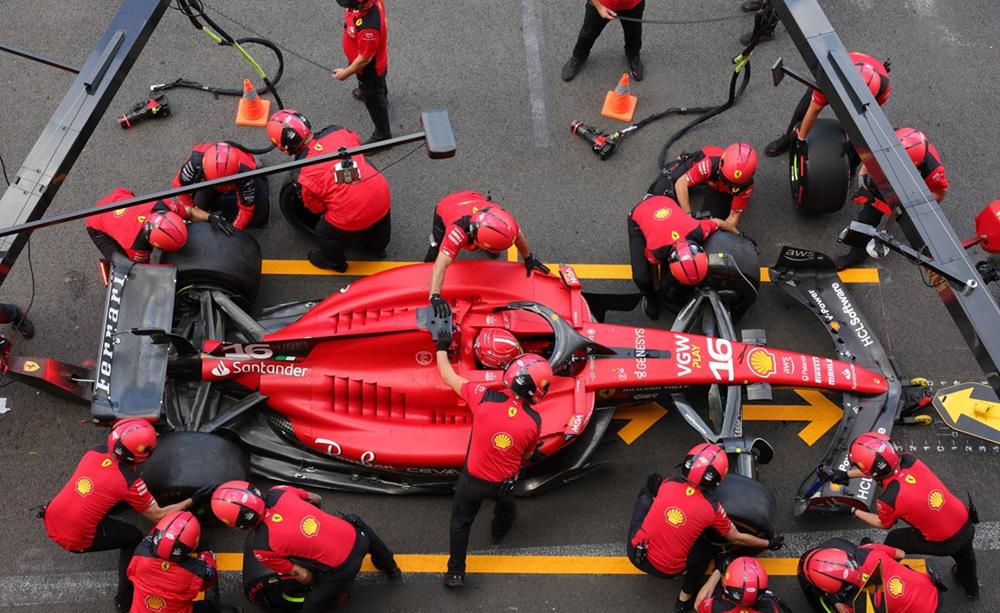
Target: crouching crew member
<point x="940" y="523"/>
<point x="245" y="204"/>
<point x="659" y="231"/>
<point x="169" y="570"/>
<point x="676" y="519"/>
<point x="841" y="572"/>
<point x="12" y="314"/>
<point x="727" y="172"/>
<point x="136" y="230"/>
<point x="351" y="195"/>
<point x="469" y="221"/>
<point x="77" y="518"/>
<point x="293" y="536"/>
<point x="744" y="590"/>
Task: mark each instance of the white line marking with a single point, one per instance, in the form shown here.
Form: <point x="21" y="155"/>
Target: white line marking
<point x="533" y="60"/>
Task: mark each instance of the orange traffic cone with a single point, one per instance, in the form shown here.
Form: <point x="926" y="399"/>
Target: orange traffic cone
<point x="620" y="103"/>
<point x="252" y="111"/>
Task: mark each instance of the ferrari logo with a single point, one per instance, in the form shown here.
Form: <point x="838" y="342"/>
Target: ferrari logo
<point x="276" y="518"/>
<point x="502" y="441"/>
<point x="910" y="479"/>
<point x="141" y="219"/>
<point x="31" y="366"/>
<point x="120" y="212"/>
<point x="761" y="362"/>
<point x="84" y="486"/>
<point x="689" y="491"/>
<point x="935" y="500"/>
<point x="674" y="516"/>
<point x="511" y="411"/>
<point x="309" y="526"/>
<point x="675" y="235"/>
<point x="154" y="603"/>
<point x="896" y="587"/>
<point x="737" y="174"/>
<point x="165" y="566"/>
<point x="317" y="147"/>
<point x="106" y="463"/>
<point x="661" y="214"/>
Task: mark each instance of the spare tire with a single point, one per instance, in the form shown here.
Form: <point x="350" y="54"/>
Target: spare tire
<point x="818" y="599"/>
<point x="737" y="273"/>
<point x="819" y="184"/>
<point x="749" y="504"/>
<point x="209" y="257"/>
<point x="267" y="589"/>
<point x="295" y="213"/>
<point x="186" y="461"/>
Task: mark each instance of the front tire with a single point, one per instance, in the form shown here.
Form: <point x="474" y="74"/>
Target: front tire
<point x="820" y="184"/>
<point x="231" y="263"/>
<point x="186" y="461"/>
<point x="749" y="504"/>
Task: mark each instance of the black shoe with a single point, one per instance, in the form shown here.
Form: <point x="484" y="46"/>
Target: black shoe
<point x="357" y="94"/>
<point x="394" y="573"/>
<point x="376" y="137"/>
<point x="777" y="146"/>
<point x="865" y="541"/>
<point x="751" y="6"/>
<point x="636" y="69"/>
<point x="454" y="580"/>
<point x="849" y="260"/>
<point x="651" y="308"/>
<point x="765" y="36"/>
<point x="23" y="325"/>
<point x="317" y="260"/>
<point x="653" y="482"/>
<point x="493" y="255"/>
<point x="971" y="594"/>
<point x="571" y="67"/>
<point x="682" y="606"/>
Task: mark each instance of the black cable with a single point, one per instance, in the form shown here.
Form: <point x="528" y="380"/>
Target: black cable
<point x="681" y="22"/>
<point x="269" y="84"/>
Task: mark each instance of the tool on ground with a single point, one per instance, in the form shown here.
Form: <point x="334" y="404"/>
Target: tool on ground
<point x="252" y="111"/>
<point x="603" y="144"/>
<point x="154" y="108"/>
<point x="620" y="103"/>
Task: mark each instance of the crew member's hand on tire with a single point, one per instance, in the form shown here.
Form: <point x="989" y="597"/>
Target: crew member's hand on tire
<point x="220" y="224"/>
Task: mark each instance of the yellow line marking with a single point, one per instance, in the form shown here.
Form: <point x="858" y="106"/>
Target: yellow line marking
<point x="538" y="565"/>
<point x="821" y="413"/>
<point x="360" y="268"/>
<point x="640" y="418"/>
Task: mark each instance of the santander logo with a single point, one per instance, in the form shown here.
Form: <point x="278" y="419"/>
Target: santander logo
<point x="221" y="370"/>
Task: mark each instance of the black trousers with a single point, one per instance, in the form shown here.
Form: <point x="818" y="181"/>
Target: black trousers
<point x="959" y="547"/>
<point x="593" y="25"/>
<point x="470" y="493"/>
<point x="115" y="534"/>
<point x="716" y="203"/>
<point x="698" y="559"/>
<point x="871" y="216"/>
<point x="333" y="242"/>
<point x="225" y="203"/>
<point x="104" y="243"/>
<point x="642" y="270"/>
<point x="799" y="112"/>
<point x="437" y="235"/>
<point x="8" y="313"/>
<point x="375" y="95"/>
<point x="333" y="584"/>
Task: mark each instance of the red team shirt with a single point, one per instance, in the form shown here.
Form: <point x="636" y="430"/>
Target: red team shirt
<point x="706" y="170"/>
<point x="292" y="527"/>
<point x="680" y="513"/>
<point x="167" y="586"/>
<point x="764" y="604"/>
<point x="193" y="171"/>
<point x="915" y="495"/>
<point x="903" y="590"/>
<point x="504" y="431"/>
<point x="456" y="211"/>
<point x="365" y="33"/>
<point x="663" y="222"/>
<point x="819" y="99"/>
<point x="98" y="483"/>
<point x="620" y="5"/>
<point x="349" y="206"/>
<point x="125" y="226"/>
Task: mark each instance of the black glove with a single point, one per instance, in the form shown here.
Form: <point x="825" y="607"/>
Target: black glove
<point x="442" y="341"/>
<point x="839" y="508"/>
<point x="532" y="263"/>
<point x="798" y="145"/>
<point x="653" y="482"/>
<point x="203" y="495"/>
<point x="776" y="543"/>
<point x="441" y="308"/>
<point x="724" y="559"/>
<point x="220" y="224"/>
<point x="833" y="475"/>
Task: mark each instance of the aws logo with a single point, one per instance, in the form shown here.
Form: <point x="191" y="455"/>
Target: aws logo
<point x="661" y="214"/>
<point x="935" y="500"/>
<point x="309" y="526"/>
<point x="84" y="486"/>
<point x="502" y="441"/>
<point x="675" y="517"/>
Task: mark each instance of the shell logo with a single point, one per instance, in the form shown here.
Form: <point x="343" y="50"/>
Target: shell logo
<point x="309" y="526"/>
<point x="31" y="366"/>
<point x="762" y="362"/>
<point x="935" y="500"/>
<point x="502" y="441"/>
<point x="674" y="516"/>
<point x="910" y="479"/>
<point x="661" y="214"/>
<point x="896" y="587"/>
<point x="689" y="491"/>
<point x="84" y="486"/>
<point x="511" y="411"/>
<point x="154" y="603"/>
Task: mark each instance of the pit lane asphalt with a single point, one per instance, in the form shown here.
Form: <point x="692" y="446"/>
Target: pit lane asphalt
<point x="513" y="139"/>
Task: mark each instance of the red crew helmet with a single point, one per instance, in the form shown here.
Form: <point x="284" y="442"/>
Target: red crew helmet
<point x="737" y="164"/>
<point x="706" y="466"/>
<point x="289" y="130"/>
<point x="915" y="142"/>
<point x="745" y="580"/>
<point x="166" y="231"/>
<point x="529" y="377"/>
<point x="874" y="455"/>
<point x="238" y="504"/>
<point x="496" y="347"/>
<point x="494" y="228"/>
<point x="831" y="570"/>
<point x="220" y="160"/>
<point x="132" y="440"/>
<point x="176" y="536"/>
<point x="877" y="80"/>
<point x="688" y="262"/>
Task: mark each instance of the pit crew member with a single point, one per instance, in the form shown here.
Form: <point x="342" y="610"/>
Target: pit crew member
<point x="244" y="204"/>
<point x="744" y="590"/>
<point x="597" y="14"/>
<point x="365" y="47"/>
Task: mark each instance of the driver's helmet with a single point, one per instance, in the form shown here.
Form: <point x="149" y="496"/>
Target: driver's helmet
<point x="494" y="228"/>
<point x="874" y="455"/>
<point x="220" y="160"/>
<point x="688" y="262"/>
<point x="166" y="231"/>
<point x="831" y="570"/>
<point x="745" y="580"/>
<point x="132" y="440"/>
<point x="238" y="504"/>
<point x="289" y="130"/>
<point x="737" y="164"/>
<point x="705" y="466"/>
<point x="528" y="377"/>
<point x="176" y="536"/>
<point x="496" y="347"/>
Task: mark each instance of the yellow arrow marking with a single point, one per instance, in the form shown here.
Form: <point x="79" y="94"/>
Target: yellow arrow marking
<point x="641" y="418"/>
<point x="962" y="403"/>
<point x="821" y="413"/>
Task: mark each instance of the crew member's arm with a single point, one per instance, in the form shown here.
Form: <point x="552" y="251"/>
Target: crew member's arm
<point x="522" y="245"/>
<point x="747" y="540"/>
<point x="869" y="518"/>
<point x="724" y="526"/>
<point x="451" y="378"/>
<point x="191" y="172"/>
<point x="709" y="587"/>
<point x="681" y="193"/>
<point x="246" y="200"/>
<point x="843" y="608"/>
<point x="441" y="265"/>
<point x="302" y="575"/>
<point x="738" y="205"/>
<point x="604" y="11"/>
<point x="725" y="226"/>
<point x="897" y="554"/>
<point x="809" y="120"/>
<point x="186" y="211"/>
<point x="355" y="67"/>
<point x="155" y="513"/>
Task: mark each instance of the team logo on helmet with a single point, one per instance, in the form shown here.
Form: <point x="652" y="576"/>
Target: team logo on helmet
<point x="309" y="526"/>
<point x="661" y="214"/>
<point x="935" y="500"/>
<point x="737" y="173"/>
<point x="896" y="587"/>
<point x="762" y="362"/>
<point x="910" y="479"/>
<point x="154" y="603"/>
<point x="84" y="486"/>
<point x="674" y="516"/>
<point x="502" y="441"/>
<point x="511" y="411"/>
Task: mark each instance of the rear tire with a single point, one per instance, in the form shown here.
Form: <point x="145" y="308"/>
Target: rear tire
<point x="295" y="213"/>
<point x="231" y="263"/>
<point x="744" y="283"/>
<point x="749" y="504"/>
<point x="186" y="461"/>
<point x="823" y="183"/>
<point x="267" y="589"/>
